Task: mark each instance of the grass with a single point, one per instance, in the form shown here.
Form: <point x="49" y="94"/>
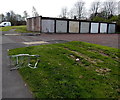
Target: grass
<point x="59" y="75"/>
<point x="7" y="28"/>
<point x="20" y="29"/>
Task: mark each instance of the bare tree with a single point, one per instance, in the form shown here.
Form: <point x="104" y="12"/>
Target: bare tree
<point x="34" y="12"/>
<point x="11" y="16"/>
<point x="71" y="13"/>
<point x="64" y="12"/>
<point x="119" y="8"/>
<point x="25" y="16"/>
<point x="18" y="17"/>
<point x="110" y="8"/>
<point x="95" y="8"/>
<point x="80" y="9"/>
<point x="1" y="17"/>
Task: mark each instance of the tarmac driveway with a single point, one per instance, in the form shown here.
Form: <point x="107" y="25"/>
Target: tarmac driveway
<point x="111" y="40"/>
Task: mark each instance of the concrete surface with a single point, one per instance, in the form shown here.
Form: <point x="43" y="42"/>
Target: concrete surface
<point x="12" y="84"/>
<point x="110" y="40"/>
<point x="0" y="66"/>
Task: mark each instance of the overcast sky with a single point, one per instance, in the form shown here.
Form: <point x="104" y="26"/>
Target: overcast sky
<point x="47" y="8"/>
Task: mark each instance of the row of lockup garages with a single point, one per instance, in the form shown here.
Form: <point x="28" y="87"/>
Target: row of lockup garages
<point x="59" y="25"/>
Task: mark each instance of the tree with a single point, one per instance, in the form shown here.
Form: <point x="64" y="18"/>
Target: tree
<point x="110" y="8"/>
<point x="15" y="19"/>
<point x="2" y="17"/>
<point x="18" y="17"/>
<point x="7" y="16"/>
<point x="79" y="7"/>
<point x="95" y="6"/>
<point x="25" y="15"/>
<point x="64" y="12"/>
<point x="119" y="7"/>
<point x="34" y="12"/>
<point x="71" y="13"/>
<point x="11" y="16"/>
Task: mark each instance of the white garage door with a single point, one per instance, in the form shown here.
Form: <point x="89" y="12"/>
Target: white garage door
<point x="84" y="27"/>
<point x="94" y="27"/>
<point x="111" y="28"/>
<point x="61" y="26"/>
<point x="73" y="27"/>
<point x="47" y="25"/>
<point x="103" y="28"/>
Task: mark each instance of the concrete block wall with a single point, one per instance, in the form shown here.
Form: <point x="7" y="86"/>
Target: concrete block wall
<point x="29" y="24"/>
<point x="37" y="24"/>
<point x="34" y="24"/>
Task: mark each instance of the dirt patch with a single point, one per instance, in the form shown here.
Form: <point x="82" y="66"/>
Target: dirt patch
<point x="103" y="71"/>
<point x="100" y="52"/>
<point x="93" y="61"/>
<point x="35" y="42"/>
<point x="12" y="30"/>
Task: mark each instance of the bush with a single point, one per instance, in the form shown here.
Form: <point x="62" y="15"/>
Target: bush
<point x="18" y="23"/>
<point x="98" y="19"/>
<point x="112" y="19"/>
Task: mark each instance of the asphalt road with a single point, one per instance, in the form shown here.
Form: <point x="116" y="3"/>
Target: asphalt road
<point x="0" y="67"/>
<point x="12" y="84"/>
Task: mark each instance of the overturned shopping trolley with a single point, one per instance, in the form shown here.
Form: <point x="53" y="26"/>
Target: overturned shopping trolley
<point x="23" y="60"/>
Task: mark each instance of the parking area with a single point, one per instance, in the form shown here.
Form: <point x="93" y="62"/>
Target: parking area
<point x="111" y="40"/>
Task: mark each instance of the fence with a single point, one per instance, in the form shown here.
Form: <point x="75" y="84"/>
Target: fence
<point x="59" y="25"/>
